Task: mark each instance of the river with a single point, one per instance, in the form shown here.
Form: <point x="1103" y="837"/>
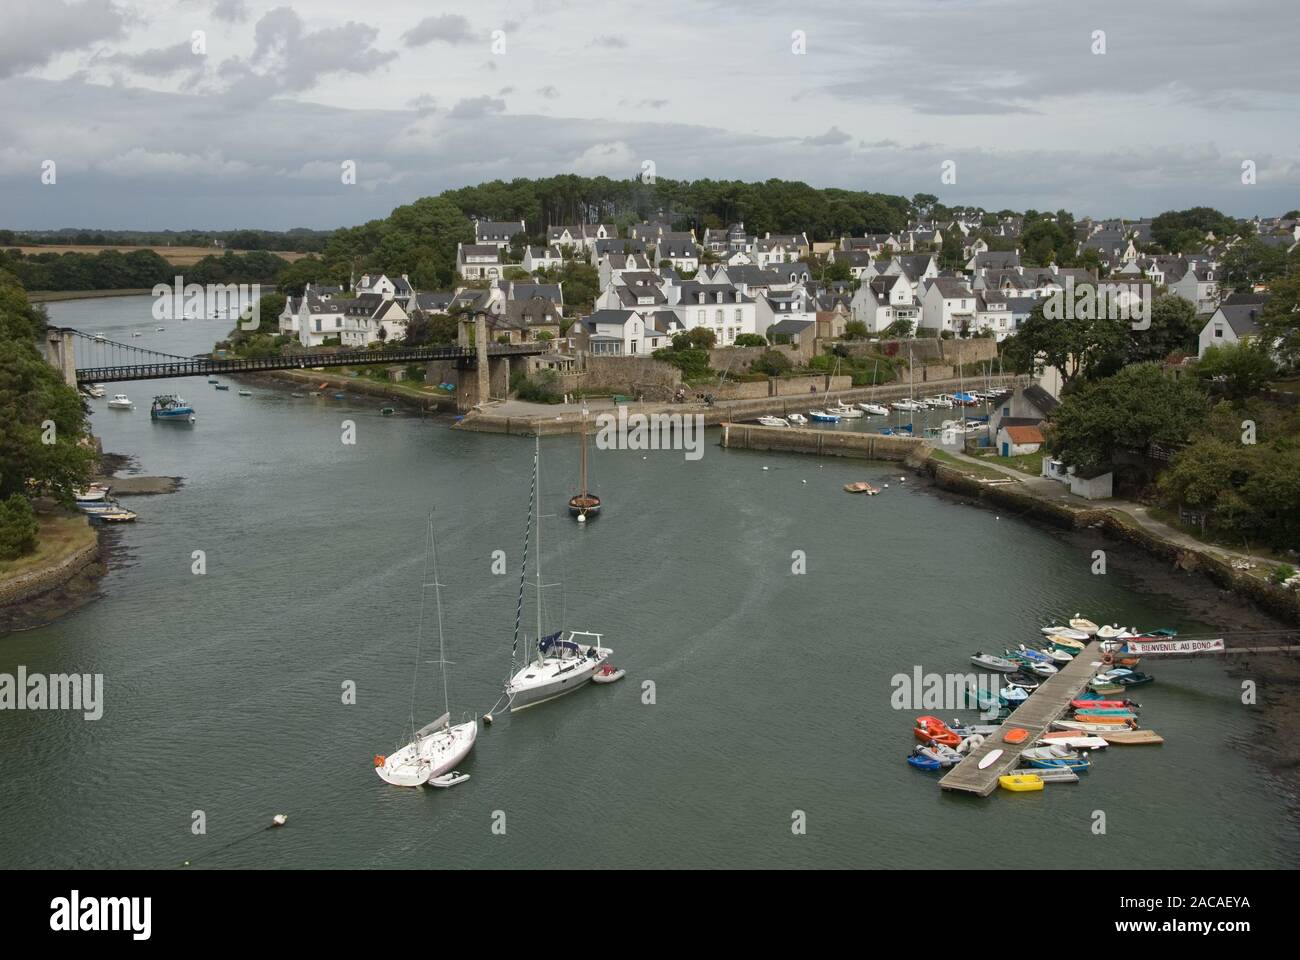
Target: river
<point x="771" y="690"/>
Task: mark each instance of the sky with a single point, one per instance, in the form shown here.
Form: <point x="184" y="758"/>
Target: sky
<point x="223" y="114"/>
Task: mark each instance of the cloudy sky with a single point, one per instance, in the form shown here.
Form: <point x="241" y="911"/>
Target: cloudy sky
<point x="240" y="113"/>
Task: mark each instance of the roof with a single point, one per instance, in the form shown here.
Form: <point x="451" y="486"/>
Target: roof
<point x="792" y="326"/>
<point x="1040" y="398"/>
<point x="1242" y="317"/>
<point x="1026" y="434"/>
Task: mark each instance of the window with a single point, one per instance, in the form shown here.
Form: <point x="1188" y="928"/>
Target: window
<point x="1218" y="330"/>
<point x="717" y="317"/>
<point x="738" y="314"/>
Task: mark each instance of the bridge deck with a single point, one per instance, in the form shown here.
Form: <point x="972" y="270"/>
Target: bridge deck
<point x="1036" y="714"/>
<point x="205" y="367"/>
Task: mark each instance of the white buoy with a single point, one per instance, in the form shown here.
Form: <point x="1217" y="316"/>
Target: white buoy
<point x="803" y="481"/>
<point x="487" y="719"/>
<point x="582" y="518"/>
<point x="278" y="820"/>
<point x="765" y="468"/>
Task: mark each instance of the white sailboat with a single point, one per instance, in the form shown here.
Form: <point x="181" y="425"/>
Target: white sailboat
<point x="552" y="665"/>
<point x="436" y="748"/>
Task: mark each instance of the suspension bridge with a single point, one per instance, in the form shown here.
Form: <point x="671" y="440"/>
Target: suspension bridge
<point x="108" y="361"/>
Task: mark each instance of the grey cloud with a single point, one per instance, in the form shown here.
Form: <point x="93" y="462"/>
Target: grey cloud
<point x="449" y="28"/>
<point x="609" y="40"/>
<point x="473" y="108"/>
<point x="232" y="11"/>
<point x="833" y="137"/>
<point x="35" y="31"/>
<point x="160" y="62"/>
<point x="549" y="92"/>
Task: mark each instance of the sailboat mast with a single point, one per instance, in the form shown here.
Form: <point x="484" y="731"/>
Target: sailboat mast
<point x="582" y="459"/>
<point x="537" y="565"/>
<point x="437" y="597"/>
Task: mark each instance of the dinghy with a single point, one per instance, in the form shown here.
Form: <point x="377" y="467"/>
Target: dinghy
<point x="991" y="662"/>
<point x="1101" y="728"/>
<point x="448" y="779"/>
<point x="923" y="763"/>
<point x="608" y="674"/>
<point x="1043" y="669"/>
<point x="1021" y="782"/>
<point x="1015" y="735"/>
<point x="1013" y="695"/>
<point x="933" y="729"/>
<point x="1068" y="738"/>
<point x="1086" y="703"/>
<point x="1068" y="644"/>
<point x="1105" y="689"/>
<point x="944" y="756"/>
<point x="861" y="486"/>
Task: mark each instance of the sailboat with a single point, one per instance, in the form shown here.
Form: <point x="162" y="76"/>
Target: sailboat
<point x="584" y="504"/>
<point x="552" y="665"/>
<point x="437" y="747"/>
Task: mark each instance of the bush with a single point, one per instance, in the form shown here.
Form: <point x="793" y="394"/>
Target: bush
<point x="694" y="364"/>
<point x="855" y="330"/>
<point x="699" y="338"/>
<point x="18" y="527"/>
<point x="540" y="390"/>
<point x="1283" y="573"/>
<point x="771" y="362"/>
<point x="750" y="340"/>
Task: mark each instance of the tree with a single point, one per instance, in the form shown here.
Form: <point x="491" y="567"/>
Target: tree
<point x="1178" y="231"/>
<point x="1279" y="320"/>
<point x="855" y="330"/>
<point x="1128" y="411"/>
<point x="1174" y="329"/>
<point x="1252" y="262"/>
<point x="18" y="527"/>
<point x="1242" y="369"/>
<point x="952" y="255"/>
<point x="1073" y="345"/>
<point x="898" y="330"/>
<point x="697" y="338"/>
<point x="42" y="420"/>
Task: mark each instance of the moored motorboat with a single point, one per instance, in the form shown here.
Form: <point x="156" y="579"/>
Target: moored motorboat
<point x="990" y="662"/>
<point x="774" y="421"/>
<point x="117" y="515"/>
<point x="821" y="416"/>
<point x="121" y="401"/>
<point x="1072" y="647"/>
<point x="245" y="393"/>
<point x="1024" y="681"/>
<point x="846" y="412"/>
<point x="1013" y="695"/>
<point x="1076" y="741"/>
<point x="874" y="409"/>
<point x="172" y="409"/>
<point x="1082" y="727"/>
<point x="1083" y="625"/>
<point x="797" y="418"/>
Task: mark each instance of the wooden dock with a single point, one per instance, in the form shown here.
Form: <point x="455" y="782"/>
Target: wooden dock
<point x="1049" y="702"/>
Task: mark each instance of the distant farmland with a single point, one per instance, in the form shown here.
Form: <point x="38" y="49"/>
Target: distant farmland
<point x="180" y="256"/>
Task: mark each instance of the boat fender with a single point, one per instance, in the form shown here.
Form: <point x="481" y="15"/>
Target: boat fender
<point x="380" y="759"/>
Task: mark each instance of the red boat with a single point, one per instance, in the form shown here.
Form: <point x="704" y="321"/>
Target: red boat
<point x="1086" y="704"/>
<point x="932" y="728"/>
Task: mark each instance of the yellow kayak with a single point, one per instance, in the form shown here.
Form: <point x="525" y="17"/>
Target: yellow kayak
<point x="1021" y="782"/>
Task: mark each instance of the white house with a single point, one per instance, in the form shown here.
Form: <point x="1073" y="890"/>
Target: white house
<point x="479" y="261"/>
<point x="678" y="249"/>
<point x="1200" y="285"/>
<point x="779" y="305"/>
<point x="948" y="304"/>
<point x="722" y="308"/>
<point x="542" y="258"/>
<point x="881" y="301"/>
<point x="496" y="232"/>
<point x="1015" y="441"/>
<point x="1232" y="323"/>
<point x="625" y="333"/>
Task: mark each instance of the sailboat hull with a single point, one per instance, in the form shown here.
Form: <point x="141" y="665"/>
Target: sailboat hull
<point x="554" y="677"/>
<point x="590" y="505"/>
<point x="429" y="756"/>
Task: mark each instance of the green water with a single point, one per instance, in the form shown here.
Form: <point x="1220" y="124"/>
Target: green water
<point x="772" y="690"/>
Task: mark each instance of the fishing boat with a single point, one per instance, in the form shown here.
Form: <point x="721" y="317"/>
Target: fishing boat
<point x="821" y="416"/>
<point x="172" y="409"/>
<point x="797" y="418"/>
<point x="552" y="665"/>
<point x="861" y="486"/>
<point x="938" y="402"/>
<point x="436" y="748"/>
<point x="1083" y="625"/>
<point x="929" y="729"/>
<point x="874" y="409"/>
<point x="774" y="421"/>
<point x="584" y="505"/>
<point x="990" y="662"/>
<point x="121" y="401"/>
<point x="1020" y="782"/>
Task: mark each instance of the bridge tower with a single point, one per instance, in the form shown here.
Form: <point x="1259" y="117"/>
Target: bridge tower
<point x="60" y="354"/>
<point x="480" y="349"/>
